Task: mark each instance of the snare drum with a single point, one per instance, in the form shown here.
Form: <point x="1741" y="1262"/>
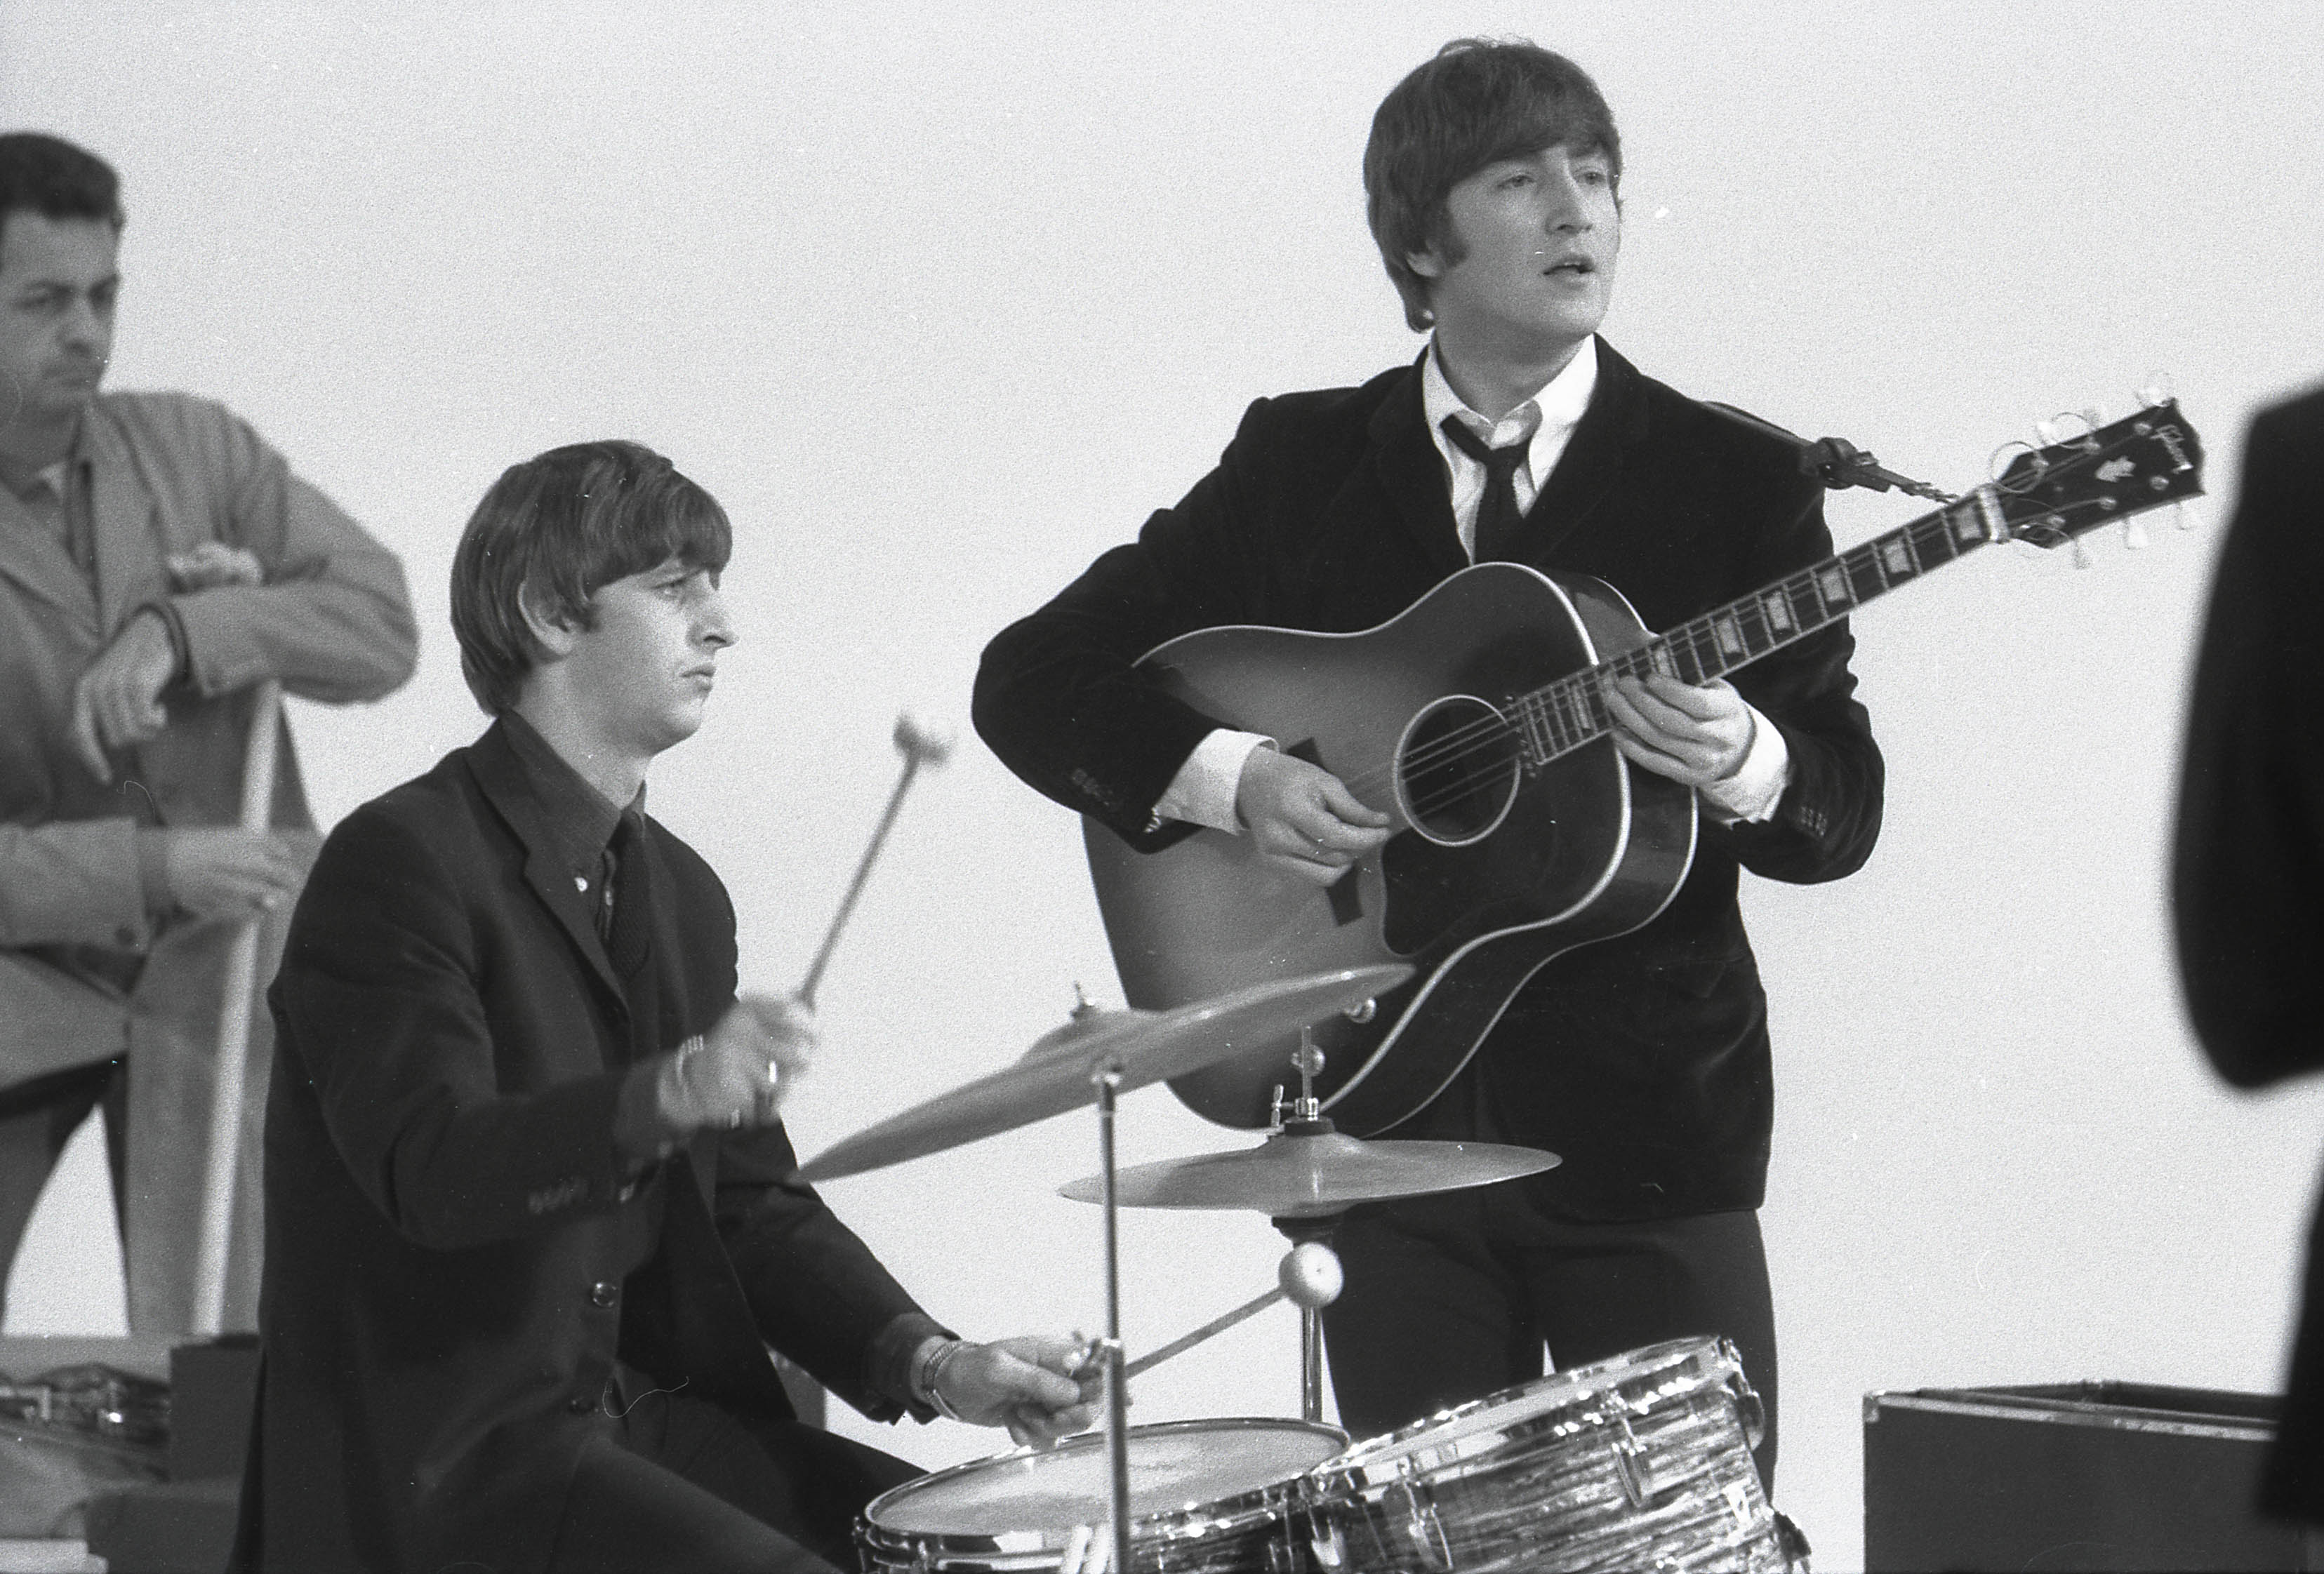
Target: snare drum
<point x="1205" y="1498"/>
<point x="1640" y="1462"/>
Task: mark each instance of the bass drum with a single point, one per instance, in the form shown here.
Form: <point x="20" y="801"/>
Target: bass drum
<point x="1205" y="1498"/>
<point x="1640" y="1462"/>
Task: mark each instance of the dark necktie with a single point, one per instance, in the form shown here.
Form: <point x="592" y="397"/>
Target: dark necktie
<point x="629" y="938"/>
<point x="1497" y="514"/>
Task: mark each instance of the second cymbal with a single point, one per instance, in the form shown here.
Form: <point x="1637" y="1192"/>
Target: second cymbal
<point x="1294" y="1175"/>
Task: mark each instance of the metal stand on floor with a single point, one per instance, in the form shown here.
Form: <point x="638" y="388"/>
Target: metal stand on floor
<point x="1107" y="1078"/>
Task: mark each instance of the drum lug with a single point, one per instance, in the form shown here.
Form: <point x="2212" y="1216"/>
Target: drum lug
<point x="1424" y="1529"/>
<point x="1749" y="1405"/>
<point x="1628" y="1467"/>
<point x="1749" y="1408"/>
<point x="1327" y="1550"/>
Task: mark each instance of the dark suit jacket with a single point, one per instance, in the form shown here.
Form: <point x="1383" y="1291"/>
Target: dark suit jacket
<point x="1643" y="1060"/>
<point x="449" y="1225"/>
<point x="2249" y="877"/>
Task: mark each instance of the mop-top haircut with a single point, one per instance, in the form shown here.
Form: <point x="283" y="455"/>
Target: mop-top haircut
<point x="1477" y="101"/>
<point x="555" y="530"/>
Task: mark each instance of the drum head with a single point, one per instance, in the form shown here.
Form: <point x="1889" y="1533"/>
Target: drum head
<point x="1030" y="1497"/>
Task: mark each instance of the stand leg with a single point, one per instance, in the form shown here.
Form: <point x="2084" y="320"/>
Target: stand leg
<point x="1311" y="1364"/>
<point x="1117" y="1395"/>
<point x="1300" y="1231"/>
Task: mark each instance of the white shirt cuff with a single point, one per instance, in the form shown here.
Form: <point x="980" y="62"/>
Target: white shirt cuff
<point x="1203" y="793"/>
<point x="1757" y="786"/>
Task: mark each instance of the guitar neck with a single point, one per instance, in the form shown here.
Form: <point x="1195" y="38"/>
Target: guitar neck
<point x="1562" y="716"/>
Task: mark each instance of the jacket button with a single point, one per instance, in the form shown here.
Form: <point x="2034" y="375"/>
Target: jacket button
<point x="602" y="1294"/>
<point x="580" y="1404"/>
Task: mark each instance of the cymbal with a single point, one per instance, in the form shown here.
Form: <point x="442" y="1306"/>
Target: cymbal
<point x="1307" y="1176"/>
<point x="1146" y="1047"/>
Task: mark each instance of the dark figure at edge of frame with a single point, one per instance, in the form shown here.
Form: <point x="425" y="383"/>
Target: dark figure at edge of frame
<point x="528" y="1233"/>
<point x="1492" y="174"/>
<point x="2248" y="877"/>
<point x="157" y="562"/>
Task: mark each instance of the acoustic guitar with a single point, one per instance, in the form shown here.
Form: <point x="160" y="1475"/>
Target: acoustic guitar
<point x="1477" y="719"/>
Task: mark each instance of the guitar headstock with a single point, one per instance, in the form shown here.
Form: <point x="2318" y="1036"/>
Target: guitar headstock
<point x="2050" y="495"/>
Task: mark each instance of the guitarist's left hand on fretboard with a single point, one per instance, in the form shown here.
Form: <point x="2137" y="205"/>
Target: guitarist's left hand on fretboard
<point x="1707" y="738"/>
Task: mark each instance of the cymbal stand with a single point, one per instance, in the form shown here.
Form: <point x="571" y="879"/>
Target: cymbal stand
<point x="1306" y="1118"/>
<point x="1107" y="1076"/>
<point x="1304" y="1233"/>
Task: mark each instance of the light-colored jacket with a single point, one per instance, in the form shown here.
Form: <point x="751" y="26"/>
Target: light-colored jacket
<point x="333" y="620"/>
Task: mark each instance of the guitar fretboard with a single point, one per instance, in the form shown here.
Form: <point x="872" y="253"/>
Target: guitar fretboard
<point x="1562" y="716"/>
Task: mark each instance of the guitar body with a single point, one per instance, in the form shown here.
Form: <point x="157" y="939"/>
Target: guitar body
<point x="1490" y="873"/>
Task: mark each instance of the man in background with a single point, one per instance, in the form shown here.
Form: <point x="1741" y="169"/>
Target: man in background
<point x="2248" y="876"/>
<point x="157" y="562"/>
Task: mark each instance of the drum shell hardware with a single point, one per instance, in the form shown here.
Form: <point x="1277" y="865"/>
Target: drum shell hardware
<point x="1641" y="1461"/>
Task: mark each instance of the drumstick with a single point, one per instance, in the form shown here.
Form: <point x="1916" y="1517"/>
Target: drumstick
<point x="918" y="747"/>
<point x="1217" y="1325"/>
<point x="234" y="1032"/>
<point x="1308" y="1274"/>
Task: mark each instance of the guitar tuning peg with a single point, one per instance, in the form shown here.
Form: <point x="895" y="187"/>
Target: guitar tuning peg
<point x="2081" y="554"/>
<point x="2047" y="433"/>
<point x="2095" y="417"/>
<point x="2188" y="513"/>
<point x="2156" y="390"/>
<point x="2133" y="534"/>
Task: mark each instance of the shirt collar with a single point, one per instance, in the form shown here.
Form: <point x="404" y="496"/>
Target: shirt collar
<point x="1559" y="403"/>
<point x="581" y="818"/>
<point x="54" y="477"/>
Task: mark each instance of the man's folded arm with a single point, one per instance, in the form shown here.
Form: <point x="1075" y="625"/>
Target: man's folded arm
<point x="333" y="620"/>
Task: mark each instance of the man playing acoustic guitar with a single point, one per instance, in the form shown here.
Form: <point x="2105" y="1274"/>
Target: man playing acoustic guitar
<point x="1493" y="173"/>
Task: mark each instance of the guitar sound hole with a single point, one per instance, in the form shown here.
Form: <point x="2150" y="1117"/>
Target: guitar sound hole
<point x="1457" y="770"/>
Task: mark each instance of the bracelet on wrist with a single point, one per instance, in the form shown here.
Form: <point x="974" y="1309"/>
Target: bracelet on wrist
<point x="932" y="1375"/>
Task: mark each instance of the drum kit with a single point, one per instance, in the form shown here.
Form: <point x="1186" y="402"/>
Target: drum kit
<point x="1642" y="1461"/>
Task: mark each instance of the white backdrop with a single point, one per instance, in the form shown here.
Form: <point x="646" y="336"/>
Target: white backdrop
<point x="940" y="303"/>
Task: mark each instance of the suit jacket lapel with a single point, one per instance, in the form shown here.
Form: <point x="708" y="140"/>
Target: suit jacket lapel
<point x="1614" y="424"/>
<point x="500" y="775"/>
<point x="129" y="556"/>
<point x="1412" y="475"/>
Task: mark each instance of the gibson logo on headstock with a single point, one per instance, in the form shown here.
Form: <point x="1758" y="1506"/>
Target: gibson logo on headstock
<point x="2172" y="438"/>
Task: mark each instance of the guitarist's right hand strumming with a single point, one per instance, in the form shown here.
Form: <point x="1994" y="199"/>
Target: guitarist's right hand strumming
<point x="1303" y="819"/>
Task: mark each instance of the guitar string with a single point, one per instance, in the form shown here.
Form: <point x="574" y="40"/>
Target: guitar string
<point x="1495" y="737"/>
<point x="1497" y="734"/>
<point x="1701" y="634"/>
<point x="1584" y="691"/>
<point x="1698" y="636"/>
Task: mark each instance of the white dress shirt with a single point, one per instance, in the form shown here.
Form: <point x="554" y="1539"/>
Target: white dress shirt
<point x="1203" y="790"/>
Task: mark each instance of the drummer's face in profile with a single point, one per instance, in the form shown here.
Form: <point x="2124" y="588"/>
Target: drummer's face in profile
<point x="647" y="666"/>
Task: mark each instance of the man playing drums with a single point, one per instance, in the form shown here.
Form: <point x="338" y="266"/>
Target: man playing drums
<point x="532" y="1216"/>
